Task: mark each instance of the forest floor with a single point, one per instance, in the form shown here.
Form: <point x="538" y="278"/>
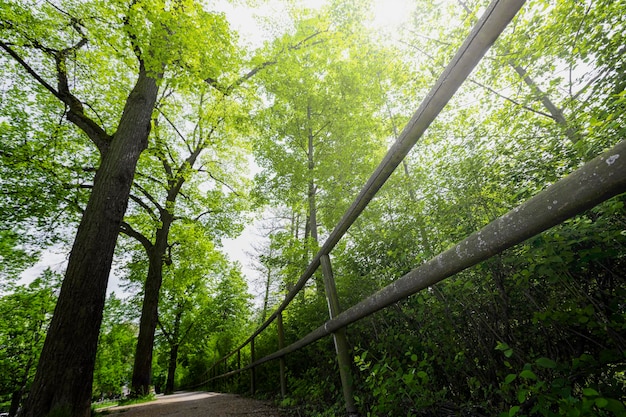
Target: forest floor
<point x="196" y="404"/>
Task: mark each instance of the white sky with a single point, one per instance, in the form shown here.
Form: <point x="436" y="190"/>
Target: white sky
<point x="388" y="16"/>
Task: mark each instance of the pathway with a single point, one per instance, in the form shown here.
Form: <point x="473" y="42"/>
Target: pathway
<point x="196" y="404"/>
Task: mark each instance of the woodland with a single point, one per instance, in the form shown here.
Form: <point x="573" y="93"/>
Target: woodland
<point x="137" y="136"/>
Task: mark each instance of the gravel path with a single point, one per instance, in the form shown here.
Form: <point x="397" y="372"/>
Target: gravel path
<point x="196" y="404"/>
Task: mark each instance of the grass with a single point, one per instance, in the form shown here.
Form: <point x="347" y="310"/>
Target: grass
<point x="103" y="404"/>
<point x="125" y="401"/>
<point x="137" y="400"/>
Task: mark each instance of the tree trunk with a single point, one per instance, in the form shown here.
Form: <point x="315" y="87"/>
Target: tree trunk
<point x="171" y="369"/>
<point x="312" y="190"/>
<point x="268" y="283"/>
<point x="142" y="369"/>
<point x="16" y="398"/>
<point x="174" y="345"/>
<point x="63" y="382"/>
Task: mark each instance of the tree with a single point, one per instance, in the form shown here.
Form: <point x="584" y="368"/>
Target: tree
<point x="204" y="307"/>
<point x="325" y="126"/>
<point x="53" y="44"/>
<point x="199" y="163"/>
<point x="539" y="329"/>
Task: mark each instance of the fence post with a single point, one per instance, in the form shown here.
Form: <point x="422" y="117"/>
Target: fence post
<point x="252" y="371"/>
<point x="238" y="380"/>
<point x="281" y="344"/>
<point x="341" y="343"/>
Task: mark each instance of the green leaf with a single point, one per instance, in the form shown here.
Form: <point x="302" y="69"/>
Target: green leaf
<point x="514" y="410"/>
<point x="505" y="349"/>
<point x="546" y="363"/>
<point x="590" y="392"/>
<point x="510" y="378"/>
<point x="407" y="378"/>
<point x="522" y="395"/>
<point x="601" y="402"/>
<point x="615" y="406"/>
<point x="528" y="374"/>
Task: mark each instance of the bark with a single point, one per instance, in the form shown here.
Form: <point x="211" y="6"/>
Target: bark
<point x="174" y="345"/>
<point x="268" y="283"/>
<point x="171" y="370"/>
<point x="63" y="382"/>
<point x="312" y="190"/>
<point x="16" y="398"/>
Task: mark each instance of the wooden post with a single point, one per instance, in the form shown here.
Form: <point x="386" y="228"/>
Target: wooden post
<point x="341" y="343"/>
<point x="252" y="372"/>
<point x="238" y="381"/>
<point x="281" y="344"/>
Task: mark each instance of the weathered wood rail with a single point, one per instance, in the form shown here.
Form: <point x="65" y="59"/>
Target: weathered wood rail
<point x="590" y="185"/>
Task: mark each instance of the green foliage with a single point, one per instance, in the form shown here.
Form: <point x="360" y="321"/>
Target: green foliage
<point x="393" y="383"/>
<point x="25" y="313"/>
<point x="116" y="348"/>
<point x="546" y="388"/>
<point x="203" y="310"/>
<point x="537" y="330"/>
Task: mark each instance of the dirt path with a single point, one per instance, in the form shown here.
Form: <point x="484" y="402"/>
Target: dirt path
<point x="196" y="404"/>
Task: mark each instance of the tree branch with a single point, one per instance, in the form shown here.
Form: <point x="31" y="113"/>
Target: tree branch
<point x="171" y="124"/>
<point x="30" y="70"/>
<point x="556" y="112"/>
<point x="151" y="178"/>
<point x="225" y="185"/>
<point x="160" y="154"/>
<point x="148" y="196"/>
<point x="131" y="36"/>
<point x="76" y="113"/>
<point x="229" y="89"/>
<point x="128" y="230"/>
<point x="165" y="332"/>
<point x="146" y="207"/>
<point x="491" y="90"/>
<point x="199" y="216"/>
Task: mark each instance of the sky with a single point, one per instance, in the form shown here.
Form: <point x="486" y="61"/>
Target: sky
<point x="389" y="15"/>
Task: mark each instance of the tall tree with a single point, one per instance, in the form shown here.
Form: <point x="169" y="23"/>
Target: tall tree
<point x="199" y="163"/>
<point x="325" y="126"/>
<point x="197" y="156"/>
<point x="83" y="55"/>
